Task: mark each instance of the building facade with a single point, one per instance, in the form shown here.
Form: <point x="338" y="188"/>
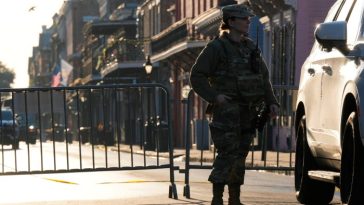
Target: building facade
<point x="66" y="37"/>
<point x="197" y="22"/>
<point x="40" y="70"/>
<point x="108" y="41"/>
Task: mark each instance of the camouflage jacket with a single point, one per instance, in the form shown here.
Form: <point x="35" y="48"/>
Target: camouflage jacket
<point x="219" y="68"/>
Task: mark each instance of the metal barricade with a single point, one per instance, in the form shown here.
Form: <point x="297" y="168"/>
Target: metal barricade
<point x="87" y="128"/>
<point x="271" y="150"/>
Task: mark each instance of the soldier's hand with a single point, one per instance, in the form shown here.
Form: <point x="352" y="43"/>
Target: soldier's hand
<point x="221" y="99"/>
<point x="274" y="109"/>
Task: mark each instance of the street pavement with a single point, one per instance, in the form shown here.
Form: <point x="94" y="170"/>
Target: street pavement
<point x="146" y="187"/>
<point x="255" y="158"/>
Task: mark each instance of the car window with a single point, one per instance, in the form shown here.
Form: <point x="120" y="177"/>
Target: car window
<point x="361" y="32"/>
<point x="354" y="23"/>
<point x="346" y="9"/>
<point x="331" y="15"/>
<point x="334" y="11"/>
<point x="6" y="115"/>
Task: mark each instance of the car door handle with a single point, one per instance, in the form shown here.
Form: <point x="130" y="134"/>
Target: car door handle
<point x="327" y="69"/>
<point x="311" y="71"/>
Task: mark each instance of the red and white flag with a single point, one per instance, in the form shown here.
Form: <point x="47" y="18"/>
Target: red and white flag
<point x="56" y="76"/>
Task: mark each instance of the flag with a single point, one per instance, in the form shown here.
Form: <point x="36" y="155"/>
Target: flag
<point x="66" y="70"/>
<point x="56" y="76"/>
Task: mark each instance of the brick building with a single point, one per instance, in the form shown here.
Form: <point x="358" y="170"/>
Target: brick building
<point x="173" y="32"/>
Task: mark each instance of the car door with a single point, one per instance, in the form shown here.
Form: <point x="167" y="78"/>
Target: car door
<point x="311" y="82"/>
<point x="337" y="71"/>
<point x="312" y="74"/>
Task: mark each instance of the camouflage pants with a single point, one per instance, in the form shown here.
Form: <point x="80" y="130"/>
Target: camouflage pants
<point x="232" y="135"/>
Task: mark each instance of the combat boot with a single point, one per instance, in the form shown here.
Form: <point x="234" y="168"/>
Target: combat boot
<point x="217" y="191"/>
<point x="234" y="194"/>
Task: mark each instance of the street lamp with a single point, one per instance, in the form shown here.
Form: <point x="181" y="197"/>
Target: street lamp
<point x="148" y="66"/>
<point x="185" y="94"/>
<point x="148" y="143"/>
<point x="185" y="91"/>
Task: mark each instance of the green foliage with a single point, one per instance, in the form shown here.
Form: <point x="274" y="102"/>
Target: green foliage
<point x="6" y="76"/>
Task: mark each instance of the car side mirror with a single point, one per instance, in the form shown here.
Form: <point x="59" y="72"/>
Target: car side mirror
<point x="332" y="35"/>
<point x="357" y="53"/>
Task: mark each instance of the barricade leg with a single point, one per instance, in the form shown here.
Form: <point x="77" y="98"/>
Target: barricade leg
<point x="186" y="189"/>
<point x="173" y="191"/>
<point x="172" y="187"/>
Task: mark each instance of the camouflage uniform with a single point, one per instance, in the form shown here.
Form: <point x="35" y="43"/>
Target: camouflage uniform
<point x="224" y="67"/>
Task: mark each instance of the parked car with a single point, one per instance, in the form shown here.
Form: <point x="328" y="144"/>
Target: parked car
<point x="28" y="131"/>
<point x="59" y="133"/>
<point x="329" y="114"/>
<point x="9" y="130"/>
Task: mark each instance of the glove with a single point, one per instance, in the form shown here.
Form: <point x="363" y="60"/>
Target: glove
<point x="262" y="117"/>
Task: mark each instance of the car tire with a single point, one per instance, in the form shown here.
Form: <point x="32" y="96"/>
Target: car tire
<point x="31" y="140"/>
<point x="15" y="145"/>
<point x="34" y="140"/>
<point x="352" y="167"/>
<point x="69" y="138"/>
<point x="308" y="191"/>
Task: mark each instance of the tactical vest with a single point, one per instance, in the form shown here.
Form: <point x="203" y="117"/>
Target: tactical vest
<point x="235" y="77"/>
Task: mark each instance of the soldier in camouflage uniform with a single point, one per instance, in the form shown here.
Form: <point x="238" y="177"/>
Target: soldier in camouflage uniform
<point x="234" y="80"/>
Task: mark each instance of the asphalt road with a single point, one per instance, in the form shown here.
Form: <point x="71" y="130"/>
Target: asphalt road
<point x="137" y="187"/>
<point x="62" y="156"/>
<point x="124" y="187"/>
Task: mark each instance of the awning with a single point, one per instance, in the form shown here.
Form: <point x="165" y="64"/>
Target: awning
<point x="178" y="48"/>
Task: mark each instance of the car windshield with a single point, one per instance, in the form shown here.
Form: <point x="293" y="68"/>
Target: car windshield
<point x="6" y="115"/>
<point x="361" y="34"/>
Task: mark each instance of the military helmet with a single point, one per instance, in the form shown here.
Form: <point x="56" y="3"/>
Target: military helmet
<point x="236" y="10"/>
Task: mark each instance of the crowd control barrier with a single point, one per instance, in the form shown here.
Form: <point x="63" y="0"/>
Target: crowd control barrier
<point x="272" y="149"/>
<point x="87" y="128"/>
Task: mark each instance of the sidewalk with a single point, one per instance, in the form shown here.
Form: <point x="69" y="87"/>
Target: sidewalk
<point x="254" y="159"/>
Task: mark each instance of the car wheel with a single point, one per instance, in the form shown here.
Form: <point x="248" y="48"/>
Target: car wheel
<point x="31" y="140"/>
<point x="69" y="138"/>
<point x="15" y="145"/>
<point x="352" y="167"/>
<point x="308" y="191"/>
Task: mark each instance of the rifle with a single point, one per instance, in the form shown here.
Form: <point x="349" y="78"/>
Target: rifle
<point x="262" y="116"/>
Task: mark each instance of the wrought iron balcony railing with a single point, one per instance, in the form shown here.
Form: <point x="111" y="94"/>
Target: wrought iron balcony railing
<point x="178" y="32"/>
<point x="123" y="51"/>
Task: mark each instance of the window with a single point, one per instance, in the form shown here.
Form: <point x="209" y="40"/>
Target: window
<point x="361" y="33"/>
<point x="331" y="16"/>
<point x="333" y="12"/>
<point x="346" y="10"/>
<point x="354" y="23"/>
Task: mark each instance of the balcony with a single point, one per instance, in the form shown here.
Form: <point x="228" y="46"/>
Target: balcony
<point x="175" y="34"/>
<point x="178" y="37"/>
<point x="123" y="54"/>
<point x="208" y="22"/>
<point x="111" y="46"/>
<point x="271" y="7"/>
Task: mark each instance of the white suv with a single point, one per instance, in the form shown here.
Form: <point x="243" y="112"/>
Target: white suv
<point x="330" y="110"/>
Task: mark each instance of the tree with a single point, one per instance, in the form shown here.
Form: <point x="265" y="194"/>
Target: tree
<point x="6" y="76"/>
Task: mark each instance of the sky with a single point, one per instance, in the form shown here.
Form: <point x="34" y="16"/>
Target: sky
<point x="19" y="32"/>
